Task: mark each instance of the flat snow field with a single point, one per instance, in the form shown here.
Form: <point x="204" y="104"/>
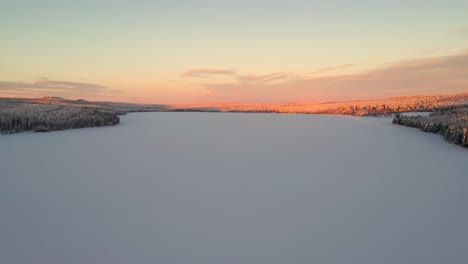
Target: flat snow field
<point x="225" y="188"/>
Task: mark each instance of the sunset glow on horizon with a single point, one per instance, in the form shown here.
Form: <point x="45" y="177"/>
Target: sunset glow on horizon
<point x="232" y="51"/>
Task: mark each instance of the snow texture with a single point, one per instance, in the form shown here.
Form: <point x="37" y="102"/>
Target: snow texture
<point x="205" y="188"/>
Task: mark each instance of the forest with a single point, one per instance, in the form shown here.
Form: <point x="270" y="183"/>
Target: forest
<point x="55" y="113"/>
<point x="451" y="122"/>
<point x="385" y="106"/>
<point x="43" y="118"/>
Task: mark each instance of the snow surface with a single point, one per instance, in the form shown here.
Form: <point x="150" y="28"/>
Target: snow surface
<point x="233" y="188"/>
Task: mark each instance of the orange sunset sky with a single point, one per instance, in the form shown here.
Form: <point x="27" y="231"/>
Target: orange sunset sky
<point x="232" y="51"/>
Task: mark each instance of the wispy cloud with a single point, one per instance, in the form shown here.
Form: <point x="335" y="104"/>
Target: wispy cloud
<point x="208" y="72"/>
<point x="72" y="86"/>
<point x="44" y="84"/>
<point x="265" y="78"/>
<point x="334" y="68"/>
<point x="446" y="74"/>
<point x="427" y="51"/>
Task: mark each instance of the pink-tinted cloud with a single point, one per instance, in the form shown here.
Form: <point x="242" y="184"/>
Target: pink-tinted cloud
<point x="265" y="78"/>
<point x="447" y="74"/>
<point x="207" y="72"/>
<point x="334" y="68"/>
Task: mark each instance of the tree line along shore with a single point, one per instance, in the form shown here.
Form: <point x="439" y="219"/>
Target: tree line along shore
<point x="449" y="113"/>
<point x="450" y="122"/>
<point x="44" y="118"/>
<point x="54" y="113"/>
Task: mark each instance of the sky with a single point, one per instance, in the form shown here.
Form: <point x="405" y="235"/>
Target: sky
<point x="232" y="51"/>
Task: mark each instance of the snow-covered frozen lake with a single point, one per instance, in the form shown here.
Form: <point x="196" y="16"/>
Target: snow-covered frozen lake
<point x="205" y="188"/>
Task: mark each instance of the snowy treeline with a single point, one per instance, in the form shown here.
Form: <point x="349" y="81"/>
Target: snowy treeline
<point x="53" y="113"/>
<point x="450" y="122"/>
<point x="42" y="118"/>
<point x="359" y="108"/>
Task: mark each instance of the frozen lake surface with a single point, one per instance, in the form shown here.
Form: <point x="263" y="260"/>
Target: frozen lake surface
<point x="205" y="188"/>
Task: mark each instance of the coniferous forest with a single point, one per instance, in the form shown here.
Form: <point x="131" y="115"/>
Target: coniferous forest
<point x="450" y="122"/>
<point x="43" y="118"/>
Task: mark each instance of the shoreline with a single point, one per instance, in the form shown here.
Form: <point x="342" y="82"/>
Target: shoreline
<point x="440" y="114"/>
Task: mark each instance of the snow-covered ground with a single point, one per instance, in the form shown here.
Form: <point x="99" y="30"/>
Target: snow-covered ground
<point x="233" y="188"/>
